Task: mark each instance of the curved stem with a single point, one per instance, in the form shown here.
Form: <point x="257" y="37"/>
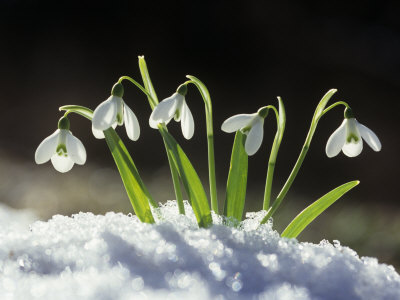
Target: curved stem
<point x="320" y="111"/>
<point x="271" y="162"/>
<point x="334" y="105"/>
<point x="210" y="140"/>
<point x="151" y="99"/>
<point x="174" y="173"/>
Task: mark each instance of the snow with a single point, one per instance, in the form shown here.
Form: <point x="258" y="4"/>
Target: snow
<point x="115" y="256"/>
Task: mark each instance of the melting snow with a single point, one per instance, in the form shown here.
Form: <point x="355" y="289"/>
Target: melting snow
<point x="117" y="257"/>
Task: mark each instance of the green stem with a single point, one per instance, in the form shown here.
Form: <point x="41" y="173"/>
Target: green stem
<point x="271" y="162"/>
<point x="291" y="178"/>
<point x="334" y="105"/>
<point x="210" y="140"/>
<point x="174" y="173"/>
<point x="317" y="116"/>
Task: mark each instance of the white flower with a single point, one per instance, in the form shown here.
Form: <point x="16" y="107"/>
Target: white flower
<point x="348" y="138"/>
<point x="249" y="124"/>
<point x="63" y="149"/>
<point x="113" y="112"/>
<point x="174" y="107"/>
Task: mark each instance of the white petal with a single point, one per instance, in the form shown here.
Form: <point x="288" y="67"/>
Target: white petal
<point x="105" y="114"/>
<point x="353" y="149"/>
<point x="131" y="124"/>
<point x="254" y="137"/>
<point x="187" y="123"/>
<point x="99" y="134"/>
<point x="75" y="149"/>
<point x="164" y="111"/>
<point x="370" y="137"/>
<point x="336" y="140"/>
<point x="47" y="148"/>
<point x="237" y="122"/>
<point x="62" y="163"/>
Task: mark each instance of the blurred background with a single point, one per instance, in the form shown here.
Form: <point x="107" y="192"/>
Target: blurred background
<point x="247" y="53"/>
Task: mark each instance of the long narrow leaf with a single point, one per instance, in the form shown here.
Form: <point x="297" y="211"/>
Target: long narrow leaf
<point x="237" y="179"/>
<point x="135" y="188"/>
<point x="191" y="181"/>
<point x="314" y="210"/>
<point x="147" y="82"/>
<point x="130" y="177"/>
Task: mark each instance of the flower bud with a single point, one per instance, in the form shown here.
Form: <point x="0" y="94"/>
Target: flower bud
<point x="182" y="89"/>
<point x="117" y="90"/>
<point x="63" y="123"/>
<point x="263" y="112"/>
<point x="348" y="113"/>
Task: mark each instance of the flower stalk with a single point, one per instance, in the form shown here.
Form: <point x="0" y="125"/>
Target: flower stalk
<point x="210" y="139"/>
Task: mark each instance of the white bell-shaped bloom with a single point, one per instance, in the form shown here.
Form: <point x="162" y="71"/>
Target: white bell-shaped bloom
<point x="249" y="124"/>
<point x="113" y="112"/>
<point x="173" y="107"/>
<point x="63" y="149"/>
<point x="348" y="138"/>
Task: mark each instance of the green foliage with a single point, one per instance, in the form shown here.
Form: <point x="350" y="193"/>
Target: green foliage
<point x="135" y="188"/>
<point x="301" y="221"/>
<point x="237" y="179"/>
<point x="190" y="179"/>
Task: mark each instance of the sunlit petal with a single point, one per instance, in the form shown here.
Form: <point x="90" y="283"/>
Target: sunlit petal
<point x="164" y="111"/>
<point x="187" y="123"/>
<point x="47" y="148"/>
<point x="131" y="124"/>
<point x="105" y="114"/>
<point x="254" y="137"/>
<point x="237" y="122"/>
<point x="336" y="140"/>
<point x="75" y="149"/>
<point x="353" y="149"/>
<point x="370" y="137"/>
<point x="62" y="163"/>
<point x="98" y="134"/>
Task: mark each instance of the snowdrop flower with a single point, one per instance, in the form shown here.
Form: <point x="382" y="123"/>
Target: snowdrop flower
<point x="174" y="107"/>
<point x="249" y="124"/>
<point x="348" y="138"/>
<point x="62" y="148"/>
<point x="113" y="112"/>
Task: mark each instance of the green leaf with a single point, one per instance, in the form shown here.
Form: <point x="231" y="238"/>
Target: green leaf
<point x="314" y="210"/>
<point x="147" y="82"/>
<point x="135" y="188"/>
<point x="237" y="179"/>
<point x="190" y="179"/>
<point x="322" y="104"/>
<point x="80" y="110"/>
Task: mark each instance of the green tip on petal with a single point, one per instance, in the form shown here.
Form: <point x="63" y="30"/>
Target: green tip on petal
<point x="117" y="90"/>
<point x="263" y="112"/>
<point x="182" y="89"/>
<point x="63" y="123"/>
<point x="348" y="113"/>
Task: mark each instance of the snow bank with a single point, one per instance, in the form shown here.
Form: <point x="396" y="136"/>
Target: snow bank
<point x="117" y="257"/>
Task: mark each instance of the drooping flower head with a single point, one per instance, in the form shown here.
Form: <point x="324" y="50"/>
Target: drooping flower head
<point x="348" y="137"/>
<point x="249" y="124"/>
<point x="113" y="112"/>
<point x="174" y="107"/>
<point x="62" y="148"/>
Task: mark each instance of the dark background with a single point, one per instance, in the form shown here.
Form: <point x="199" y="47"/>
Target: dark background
<point x="247" y="53"/>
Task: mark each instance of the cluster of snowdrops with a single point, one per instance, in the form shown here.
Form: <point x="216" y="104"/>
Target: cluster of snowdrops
<point x="64" y="150"/>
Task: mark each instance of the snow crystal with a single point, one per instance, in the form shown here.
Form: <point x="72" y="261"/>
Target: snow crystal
<point x="115" y="256"/>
